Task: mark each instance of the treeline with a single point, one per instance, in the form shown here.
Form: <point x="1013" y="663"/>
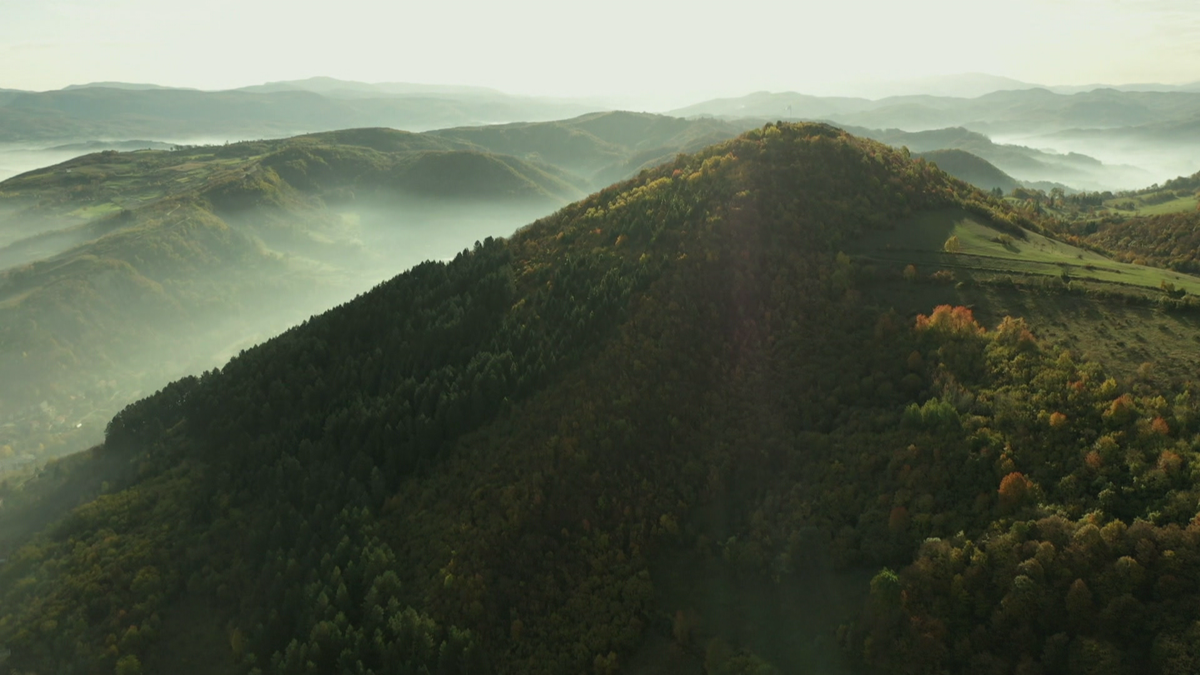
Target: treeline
<point x="1169" y="240"/>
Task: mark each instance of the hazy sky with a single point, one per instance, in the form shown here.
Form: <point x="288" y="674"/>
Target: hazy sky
<point x="632" y="47"/>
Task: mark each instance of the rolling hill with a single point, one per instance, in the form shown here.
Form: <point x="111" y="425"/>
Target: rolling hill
<point x="122" y="271"/>
<point x="103" y="113"/>
<point x="592" y="445"/>
<point x="971" y="168"/>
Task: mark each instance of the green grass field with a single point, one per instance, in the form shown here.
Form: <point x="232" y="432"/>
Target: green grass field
<point x="982" y="248"/>
<point x="1178" y="205"/>
<point x="1150" y="204"/>
<point x="1120" y="337"/>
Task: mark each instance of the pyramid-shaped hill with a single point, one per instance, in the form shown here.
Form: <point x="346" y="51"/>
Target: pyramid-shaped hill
<point x="485" y="465"/>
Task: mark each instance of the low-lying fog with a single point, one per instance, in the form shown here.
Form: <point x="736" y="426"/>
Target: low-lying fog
<point x="208" y="317"/>
<point x="1130" y="164"/>
<point x="17" y="159"/>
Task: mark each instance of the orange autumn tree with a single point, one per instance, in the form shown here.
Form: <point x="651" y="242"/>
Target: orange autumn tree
<point x="955" y="321"/>
<point x="956" y="335"/>
<point x="1015" y="333"/>
<point x="1014" y="488"/>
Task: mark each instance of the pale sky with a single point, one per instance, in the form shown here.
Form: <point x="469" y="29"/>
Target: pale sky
<point x="614" y="47"/>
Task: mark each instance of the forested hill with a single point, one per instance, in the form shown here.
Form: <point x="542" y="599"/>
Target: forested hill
<point x="472" y="468"/>
<point x="108" y="111"/>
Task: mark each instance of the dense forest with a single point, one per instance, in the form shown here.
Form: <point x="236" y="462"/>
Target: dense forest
<point x="1169" y="240"/>
<point x="476" y="466"/>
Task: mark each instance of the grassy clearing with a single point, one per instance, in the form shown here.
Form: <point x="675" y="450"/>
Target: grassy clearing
<point x="1119" y="336"/>
<point x="981" y="248"/>
<point x="1153" y="203"/>
<point x="1178" y="205"/>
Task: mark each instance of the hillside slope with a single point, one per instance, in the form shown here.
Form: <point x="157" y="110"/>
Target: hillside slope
<point x="122" y="271"/>
<point x="473" y="467"/>
<point x="601" y="147"/>
<point x="971" y="168"/>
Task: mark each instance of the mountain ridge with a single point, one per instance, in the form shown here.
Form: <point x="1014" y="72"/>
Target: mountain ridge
<point x="104" y="112"/>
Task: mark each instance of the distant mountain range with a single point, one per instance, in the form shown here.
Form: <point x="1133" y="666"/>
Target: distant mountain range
<point x="128" y="86"/>
<point x="1028" y="165"/>
<point x="960" y="85"/>
<point x="988" y="104"/>
<point x="971" y="85"/>
<point x="118" y="111"/>
<point x="1142" y="133"/>
<point x="329" y="86"/>
<point x="1025" y="111"/>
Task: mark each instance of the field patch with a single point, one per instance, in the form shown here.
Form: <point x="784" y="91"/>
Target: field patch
<point x="954" y="240"/>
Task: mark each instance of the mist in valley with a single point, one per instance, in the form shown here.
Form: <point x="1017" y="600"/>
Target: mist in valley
<point x="74" y="350"/>
<point x="1129" y="163"/>
<point x="16" y="159"/>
